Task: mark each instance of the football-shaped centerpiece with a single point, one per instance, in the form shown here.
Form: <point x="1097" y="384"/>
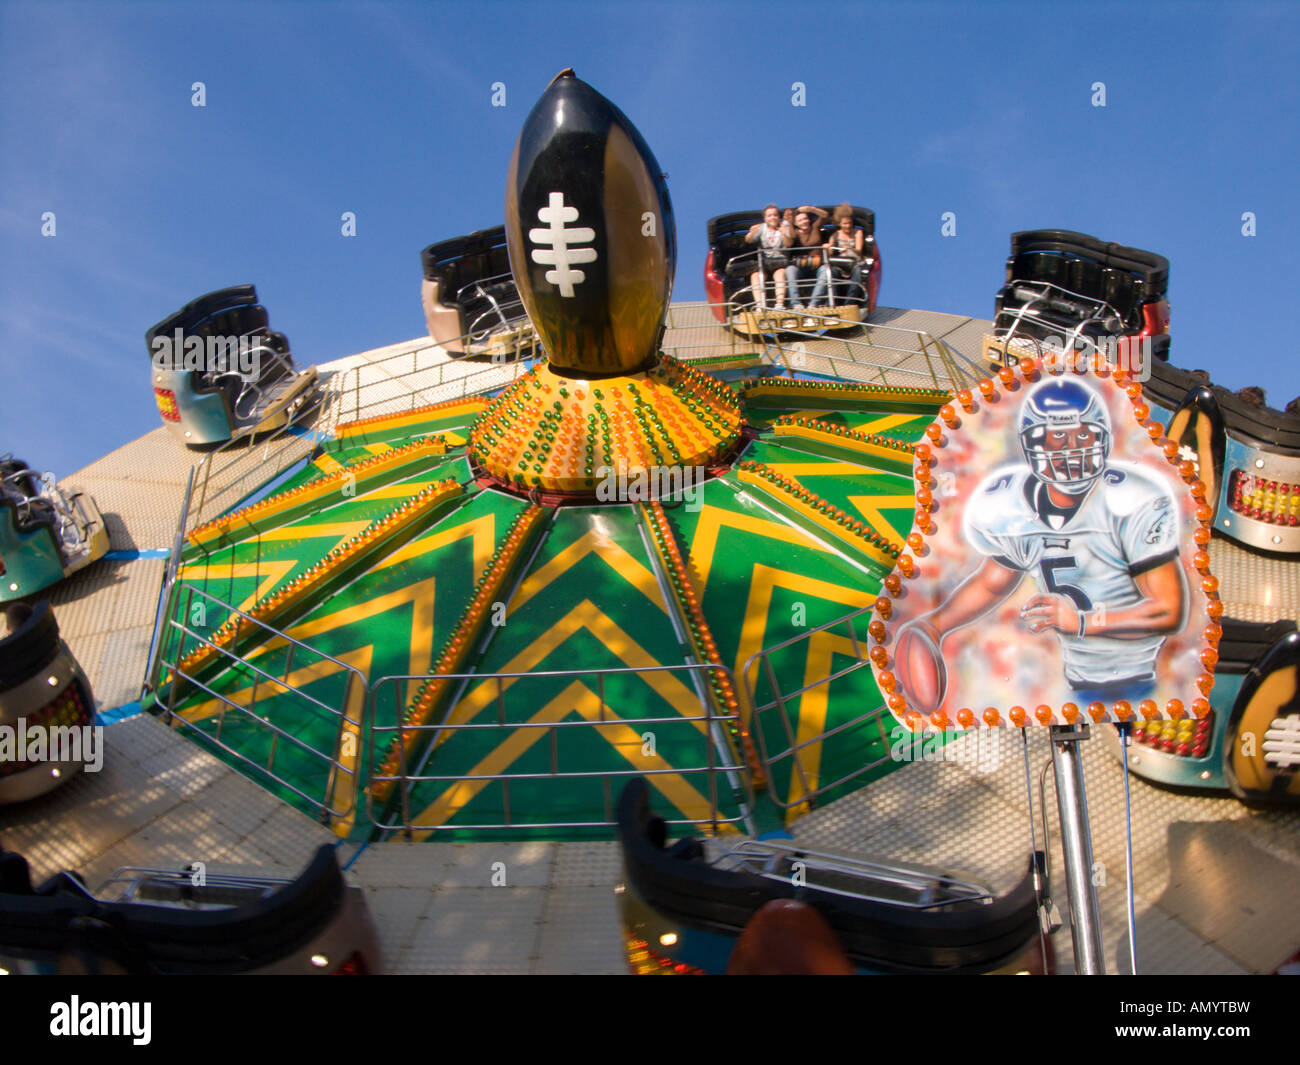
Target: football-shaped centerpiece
<point x="590" y="228"/>
<point x="592" y="249"/>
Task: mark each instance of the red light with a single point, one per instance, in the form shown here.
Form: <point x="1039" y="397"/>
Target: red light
<point x="166" y="400"/>
<point x="353" y="965"/>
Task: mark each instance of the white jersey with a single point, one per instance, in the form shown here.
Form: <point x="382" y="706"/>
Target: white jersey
<point x="1125" y="525"/>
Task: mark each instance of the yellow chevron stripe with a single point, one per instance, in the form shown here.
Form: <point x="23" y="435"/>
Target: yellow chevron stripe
<point x="628" y="567"/>
<point x="713" y="520"/>
<point x="623" y="737"/>
<point x="871" y="508"/>
<point x="812" y="716"/>
<point x="274" y="571"/>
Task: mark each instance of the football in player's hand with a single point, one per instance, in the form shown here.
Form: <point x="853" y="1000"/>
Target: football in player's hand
<point x="918" y="665"/>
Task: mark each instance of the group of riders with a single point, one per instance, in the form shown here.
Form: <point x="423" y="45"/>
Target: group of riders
<point x="792" y="253"/>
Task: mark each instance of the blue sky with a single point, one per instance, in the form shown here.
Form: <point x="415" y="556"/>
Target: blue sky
<point x="314" y="109"/>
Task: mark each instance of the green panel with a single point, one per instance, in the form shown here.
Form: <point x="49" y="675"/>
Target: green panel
<point x="388" y="633"/>
<point x="589" y="581"/>
<point x="772" y="569"/>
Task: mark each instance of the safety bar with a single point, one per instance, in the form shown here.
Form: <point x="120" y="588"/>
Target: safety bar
<point x="1041" y="292"/>
<point x="774" y="859"/>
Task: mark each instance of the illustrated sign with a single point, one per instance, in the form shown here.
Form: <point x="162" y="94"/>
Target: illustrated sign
<point x="1058" y="570"/>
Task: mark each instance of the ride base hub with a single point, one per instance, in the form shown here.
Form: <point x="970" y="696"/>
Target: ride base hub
<point x="565" y="435"/>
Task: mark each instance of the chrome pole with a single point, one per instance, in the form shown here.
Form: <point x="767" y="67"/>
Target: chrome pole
<point x="1076" y="840"/>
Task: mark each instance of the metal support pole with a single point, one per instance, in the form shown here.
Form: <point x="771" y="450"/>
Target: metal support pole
<point x="1076" y="840"/>
<point x="165" y="596"/>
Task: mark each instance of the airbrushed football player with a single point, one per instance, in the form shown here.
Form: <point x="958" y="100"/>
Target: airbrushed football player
<point x="1101" y="539"/>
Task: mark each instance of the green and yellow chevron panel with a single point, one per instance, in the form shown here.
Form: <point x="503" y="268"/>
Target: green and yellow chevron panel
<point x="386" y="622"/>
<point x="764" y="581"/>
<point x="590" y="598"/>
<point x="750" y="559"/>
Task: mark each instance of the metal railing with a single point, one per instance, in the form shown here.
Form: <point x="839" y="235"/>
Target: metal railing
<point x="419" y="375"/>
<point x="234" y="471"/>
<point x="881" y="354"/>
<point x="167" y="591"/>
<point x="758" y="669"/>
<point x="414" y="377"/>
<point x="235" y="693"/>
<point x="842" y="269"/>
<point x="723" y="777"/>
<point x="337" y="769"/>
<point x="872" y="354"/>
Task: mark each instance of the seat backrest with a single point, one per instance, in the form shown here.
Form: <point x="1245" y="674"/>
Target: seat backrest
<point x="461" y="262"/>
<point x="1124" y="278"/>
<point x="228" y="312"/>
<point x="205" y="306"/>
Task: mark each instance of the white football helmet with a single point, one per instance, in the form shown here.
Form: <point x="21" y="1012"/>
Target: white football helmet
<point x="1064" y="405"/>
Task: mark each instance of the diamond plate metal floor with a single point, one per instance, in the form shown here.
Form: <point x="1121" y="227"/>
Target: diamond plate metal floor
<point x="1254" y="587"/>
<point x="1210" y="875"/>
<point x="1214" y="879"/>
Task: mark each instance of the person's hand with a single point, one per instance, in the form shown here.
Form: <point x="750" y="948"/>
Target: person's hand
<point x="1044" y="612"/>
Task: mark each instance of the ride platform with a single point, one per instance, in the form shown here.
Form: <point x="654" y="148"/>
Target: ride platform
<point x="1204" y="861"/>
